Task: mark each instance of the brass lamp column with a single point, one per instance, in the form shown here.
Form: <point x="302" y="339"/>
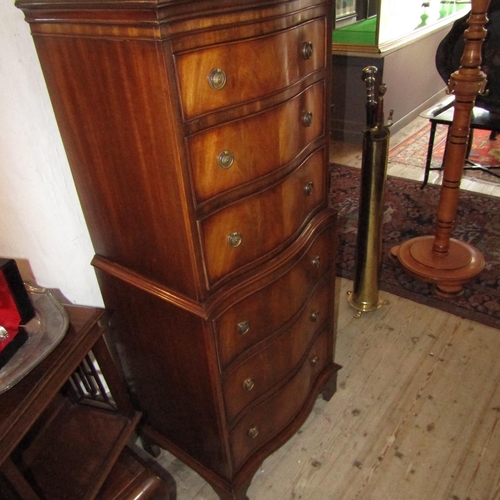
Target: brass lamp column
<point x="441" y="260"/>
<point x="365" y="294"/>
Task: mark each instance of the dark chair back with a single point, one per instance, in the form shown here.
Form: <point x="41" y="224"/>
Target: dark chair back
<point x="451" y="48"/>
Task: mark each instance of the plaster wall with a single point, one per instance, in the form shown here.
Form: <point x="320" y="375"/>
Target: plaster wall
<point x="41" y="221"/>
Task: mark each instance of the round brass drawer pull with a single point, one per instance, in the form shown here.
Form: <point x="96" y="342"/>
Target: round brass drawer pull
<point x="243" y="327"/>
<point x="235" y="239"/>
<point x="316" y="262"/>
<point x="307" y="118"/>
<point x="315" y="361"/>
<point x="253" y="432"/>
<point x="314" y="316"/>
<point x="225" y="159"/>
<point x="309" y="188"/>
<point x="217" y="79"/>
<point x="249" y="384"/>
<point x="307" y="50"/>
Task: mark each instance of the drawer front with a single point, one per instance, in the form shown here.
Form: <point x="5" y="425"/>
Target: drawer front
<point x="249" y="229"/>
<point x="232" y="155"/>
<point x="265" y="421"/>
<point x="226" y="75"/>
<point x="256" y="317"/>
<point x="265" y="369"/>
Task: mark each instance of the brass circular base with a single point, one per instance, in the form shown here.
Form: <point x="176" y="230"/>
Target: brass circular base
<point x="363" y="307"/>
<point x="448" y="272"/>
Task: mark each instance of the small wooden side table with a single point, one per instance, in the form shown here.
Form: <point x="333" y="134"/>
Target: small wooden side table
<point x="54" y="445"/>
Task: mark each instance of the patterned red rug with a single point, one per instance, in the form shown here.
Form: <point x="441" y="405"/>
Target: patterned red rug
<point x="410" y="212"/>
<point x="413" y="151"/>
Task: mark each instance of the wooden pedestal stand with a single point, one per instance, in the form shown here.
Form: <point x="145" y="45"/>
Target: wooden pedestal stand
<point x="441" y="260"/>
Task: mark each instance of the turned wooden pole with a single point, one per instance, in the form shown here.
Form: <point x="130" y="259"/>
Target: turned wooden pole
<point x="441" y="260"/>
<point x="465" y="84"/>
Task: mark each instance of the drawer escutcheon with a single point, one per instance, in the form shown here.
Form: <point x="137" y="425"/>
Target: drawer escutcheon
<point x="253" y="432"/>
<point x="249" y="384"/>
<point x="243" y="327"/>
<point x="307" y="118"/>
<point x="309" y="188"/>
<point x="315" y="361"/>
<point x="225" y="159"/>
<point x="316" y="262"/>
<point x="307" y="50"/>
<point x="314" y="316"/>
<point x="217" y="79"/>
<point x="234" y="239"/>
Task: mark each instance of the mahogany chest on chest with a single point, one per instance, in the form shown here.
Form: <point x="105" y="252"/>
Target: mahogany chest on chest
<point x="197" y="134"/>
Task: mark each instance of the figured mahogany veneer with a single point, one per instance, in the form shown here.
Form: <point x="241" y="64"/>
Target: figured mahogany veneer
<point x="197" y="134"/>
<point x="278" y="125"/>
<point x="292" y="287"/>
<point x="264" y="369"/>
<point x="251" y="81"/>
<point x="298" y="197"/>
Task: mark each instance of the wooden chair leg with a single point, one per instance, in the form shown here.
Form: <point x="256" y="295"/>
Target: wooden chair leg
<point x="469" y="143"/>
<point x="430" y="148"/>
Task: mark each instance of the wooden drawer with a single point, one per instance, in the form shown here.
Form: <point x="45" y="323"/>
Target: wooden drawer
<point x="273" y="364"/>
<point x="252" y="320"/>
<point x="251" y="68"/>
<point x="249" y="229"/>
<point x="255" y="146"/>
<point x="265" y="421"/>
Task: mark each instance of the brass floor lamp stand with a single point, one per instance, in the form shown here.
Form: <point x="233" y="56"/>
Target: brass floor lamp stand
<point x="441" y="260"/>
<point x="365" y="294"/>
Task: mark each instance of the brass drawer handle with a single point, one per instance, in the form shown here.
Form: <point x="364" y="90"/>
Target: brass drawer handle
<point x="314" y="316"/>
<point x="309" y="188"/>
<point x="217" y="79"/>
<point x="316" y="262"/>
<point x="253" y="432"/>
<point x="243" y="327"/>
<point x="235" y="239"/>
<point x="225" y="159"/>
<point x="315" y="361"/>
<point x="307" y="118"/>
<point x="307" y="50"/>
<point x="249" y="384"/>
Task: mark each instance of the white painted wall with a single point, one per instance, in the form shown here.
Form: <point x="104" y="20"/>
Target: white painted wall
<point x="41" y="221"/>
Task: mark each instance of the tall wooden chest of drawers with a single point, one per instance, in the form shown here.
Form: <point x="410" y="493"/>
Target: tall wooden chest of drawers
<point x="197" y="133"/>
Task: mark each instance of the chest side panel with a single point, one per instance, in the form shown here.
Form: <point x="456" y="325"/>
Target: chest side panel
<point x="168" y="360"/>
<point x="111" y="99"/>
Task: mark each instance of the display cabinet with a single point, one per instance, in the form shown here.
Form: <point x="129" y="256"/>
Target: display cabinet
<point x="401" y="42"/>
<point x="393" y="23"/>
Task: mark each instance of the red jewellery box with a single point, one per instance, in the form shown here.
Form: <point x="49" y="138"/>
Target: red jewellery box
<point x="15" y="310"/>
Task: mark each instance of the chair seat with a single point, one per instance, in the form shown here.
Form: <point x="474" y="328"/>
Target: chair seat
<point x="481" y="118"/>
